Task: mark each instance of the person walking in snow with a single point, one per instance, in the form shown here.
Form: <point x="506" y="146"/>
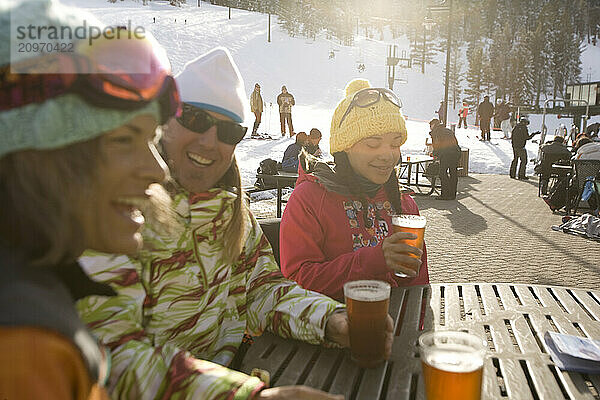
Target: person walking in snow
<point x="285" y="101"/>
<point x="256" y="107"/>
<point x="462" y="115"/>
<point x="186" y="302"/>
<point x="485" y="111"/>
<point x="520" y="136"/>
<point x="336" y="226"/>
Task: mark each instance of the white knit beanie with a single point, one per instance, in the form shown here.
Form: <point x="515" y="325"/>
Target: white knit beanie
<point x="213" y="82"/>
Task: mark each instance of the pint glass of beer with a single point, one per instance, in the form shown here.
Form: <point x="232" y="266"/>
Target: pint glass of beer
<point x="412" y="224"/>
<point x="367" y="306"/>
<point x="452" y="365"/>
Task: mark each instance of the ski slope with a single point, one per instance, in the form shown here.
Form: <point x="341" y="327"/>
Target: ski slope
<point x="316" y="80"/>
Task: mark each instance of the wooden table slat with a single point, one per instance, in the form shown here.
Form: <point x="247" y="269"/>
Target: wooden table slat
<point x="514" y="379"/>
<point x="253" y="357"/>
<point x="588" y="302"/>
<point x="577" y="387"/>
<point x="543" y="381"/>
<point x="275" y="360"/>
<point x="401" y="379"/>
<point x="525" y="295"/>
<point x="344" y="380"/>
<point x="452" y="305"/>
<point x="564" y="324"/>
<point x="325" y="364"/>
<point x="396" y="299"/>
<point x="570" y="304"/>
<point x="372" y="382"/>
<point x="545" y="297"/>
<point x="490" y="302"/>
<point x="490" y="384"/>
<point x="297" y="365"/>
<point x="524" y="336"/>
<point x="433" y="309"/>
<point x="410" y="322"/>
<point x="595" y="379"/>
<point x="471" y="302"/>
<point x="502" y="338"/>
<point x="508" y="297"/>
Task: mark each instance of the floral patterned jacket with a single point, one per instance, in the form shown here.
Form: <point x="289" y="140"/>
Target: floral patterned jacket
<point x="181" y="311"/>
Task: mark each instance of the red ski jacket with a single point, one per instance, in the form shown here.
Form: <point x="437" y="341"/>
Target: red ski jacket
<point x="324" y="242"/>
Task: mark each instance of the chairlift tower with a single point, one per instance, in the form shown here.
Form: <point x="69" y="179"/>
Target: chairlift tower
<point x="392" y="61"/>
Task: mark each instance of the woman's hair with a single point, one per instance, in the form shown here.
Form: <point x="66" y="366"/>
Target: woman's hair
<point x="347" y="176"/>
<point x="40" y="194"/>
<point x="236" y="230"/>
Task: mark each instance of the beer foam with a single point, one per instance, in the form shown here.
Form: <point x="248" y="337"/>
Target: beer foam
<point x="409" y="221"/>
<point x="454" y="358"/>
<point x="367" y="291"/>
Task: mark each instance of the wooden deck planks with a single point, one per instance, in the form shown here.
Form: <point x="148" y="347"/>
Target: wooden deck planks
<point x="518" y="316"/>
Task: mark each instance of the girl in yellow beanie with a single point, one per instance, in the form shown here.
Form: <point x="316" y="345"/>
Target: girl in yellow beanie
<point x="337" y="224"/>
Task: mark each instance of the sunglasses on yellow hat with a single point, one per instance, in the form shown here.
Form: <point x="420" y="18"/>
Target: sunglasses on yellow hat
<point x="367" y="97"/>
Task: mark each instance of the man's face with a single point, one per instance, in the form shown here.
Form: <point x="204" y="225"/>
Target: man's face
<point x="196" y="160"/>
<point x="283" y="90"/>
<point x="257" y="88"/>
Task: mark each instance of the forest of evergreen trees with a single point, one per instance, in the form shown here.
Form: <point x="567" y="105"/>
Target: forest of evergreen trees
<point x="515" y="50"/>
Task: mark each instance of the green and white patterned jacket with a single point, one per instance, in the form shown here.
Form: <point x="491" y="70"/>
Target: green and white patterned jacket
<point x="181" y="304"/>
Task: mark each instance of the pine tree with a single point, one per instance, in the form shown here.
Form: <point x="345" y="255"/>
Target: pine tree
<point x="564" y="49"/>
<point x="498" y="71"/>
<point x="475" y="78"/>
<point x="423" y="50"/>
<point x="521" y="83"/>
<point x="537" y="46"/>
<point x="456" y="76"/>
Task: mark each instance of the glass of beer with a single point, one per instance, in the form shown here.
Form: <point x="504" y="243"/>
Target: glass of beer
<point x="367" y="305"/>
<point x="452" y="365"/>
<point x="412" y="224"/>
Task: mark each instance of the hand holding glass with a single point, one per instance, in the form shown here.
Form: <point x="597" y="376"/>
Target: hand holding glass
<point x="411" y="224"/>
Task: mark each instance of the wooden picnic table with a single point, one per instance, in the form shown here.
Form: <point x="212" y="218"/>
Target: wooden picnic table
<point x="414" y="165"/>
<point x="511" y="318"/>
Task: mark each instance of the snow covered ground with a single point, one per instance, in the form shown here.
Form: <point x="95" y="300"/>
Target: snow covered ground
<point x="316" y="81"/>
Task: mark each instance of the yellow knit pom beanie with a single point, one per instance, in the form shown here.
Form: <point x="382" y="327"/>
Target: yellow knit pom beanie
<point x="380" y="118"/>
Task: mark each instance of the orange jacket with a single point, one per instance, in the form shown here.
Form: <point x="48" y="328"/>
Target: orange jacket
<point x="463" y="112"/>
<point x="36" y="363"/>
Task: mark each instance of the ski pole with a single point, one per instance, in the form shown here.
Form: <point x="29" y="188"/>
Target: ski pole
<point x="269" y="123"/>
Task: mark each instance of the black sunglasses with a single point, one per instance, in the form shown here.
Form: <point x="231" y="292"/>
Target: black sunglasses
<point x="199" y="121"/>
<point x="369" y="96"/>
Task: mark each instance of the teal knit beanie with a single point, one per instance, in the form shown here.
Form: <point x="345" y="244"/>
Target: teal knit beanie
<point x="64" y="119"/>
